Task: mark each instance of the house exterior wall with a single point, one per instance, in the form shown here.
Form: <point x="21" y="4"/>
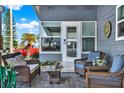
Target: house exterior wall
<point x="68" y="13"/>
<point x="62" y="13"/>
<point x="51" y="57"/>
<point x="109" y="46"/>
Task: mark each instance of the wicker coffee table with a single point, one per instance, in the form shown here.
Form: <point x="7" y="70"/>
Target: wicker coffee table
<point x="54" y="76"/>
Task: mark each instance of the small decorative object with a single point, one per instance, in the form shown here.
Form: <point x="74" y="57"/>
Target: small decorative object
<point x="107" y="29"/>
<point x="99" y="62"/>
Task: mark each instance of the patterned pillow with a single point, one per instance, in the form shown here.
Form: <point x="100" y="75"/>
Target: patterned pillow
<point x="93" y="56"/>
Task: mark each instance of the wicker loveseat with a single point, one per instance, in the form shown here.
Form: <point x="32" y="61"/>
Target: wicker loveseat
<point x="27" y="69"/>
<point x="111" y="77"/>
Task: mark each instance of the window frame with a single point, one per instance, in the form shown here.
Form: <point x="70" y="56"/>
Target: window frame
<point x="60" y="52"/>
<point x="41" y="36"/>
<point x="95" y="36"/>
<point x="118" y="38"/>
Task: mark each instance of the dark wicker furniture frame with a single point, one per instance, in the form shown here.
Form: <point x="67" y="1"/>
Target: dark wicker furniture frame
<point x="104" y="79"/>
<point x="24" y="74"/>
<point x="84" y="62"/>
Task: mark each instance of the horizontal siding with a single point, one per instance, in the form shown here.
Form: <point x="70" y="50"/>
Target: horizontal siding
<point x="62" y="13"/>
<point x="50" y="57"/>
<point x="109" y="46"/>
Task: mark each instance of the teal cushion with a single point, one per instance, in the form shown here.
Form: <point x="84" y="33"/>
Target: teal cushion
<point x="80" y="66"/>
<point x="93" y="55"/>
<point x="117" y="64"/>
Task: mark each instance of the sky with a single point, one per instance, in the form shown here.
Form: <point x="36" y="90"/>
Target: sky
<point x="26" y="20"/>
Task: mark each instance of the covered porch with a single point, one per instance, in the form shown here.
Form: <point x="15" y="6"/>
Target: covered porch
<point x="68" y="33"/>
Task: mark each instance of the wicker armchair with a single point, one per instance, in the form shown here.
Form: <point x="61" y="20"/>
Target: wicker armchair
<point x="25" y="72"/>
<point x="103" y="77"/>
<point x="81" y="64"/>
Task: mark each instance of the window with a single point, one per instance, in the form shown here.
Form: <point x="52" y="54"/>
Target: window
<point x="50" y="37"/>
<point x="120" y="23"/>
<point x="71" y="34"/>
<point x="88" y="36"/>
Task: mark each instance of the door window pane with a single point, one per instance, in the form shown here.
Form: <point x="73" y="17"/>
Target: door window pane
<point x="88" y="29"/>
<point x="88" y="44"/>
<point x="71" y="32"/>
<point x="71" y="49"/>
<point x="50" y="44"/>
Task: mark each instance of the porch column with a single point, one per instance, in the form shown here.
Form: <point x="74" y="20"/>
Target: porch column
<point x="1" y="39"/>
<point x="11" y="31"/>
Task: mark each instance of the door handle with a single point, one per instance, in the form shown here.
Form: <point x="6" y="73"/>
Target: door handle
<point x="64" y="41"/>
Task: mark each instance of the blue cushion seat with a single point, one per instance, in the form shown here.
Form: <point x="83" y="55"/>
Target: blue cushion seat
<point x="93" y="55"/>
<point x="118" y="64"/>
<point x="80" y="66"/>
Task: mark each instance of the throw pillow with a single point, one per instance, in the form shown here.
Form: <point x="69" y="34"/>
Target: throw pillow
<point x="117" y="64"/>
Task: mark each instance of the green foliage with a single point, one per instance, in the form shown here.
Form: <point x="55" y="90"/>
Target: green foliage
<point x="35" y="55"/>
<point x="99" y="62"/>
<point x="48" y="63"/>
<point x="28" y="38"/>
<point x="6" y="31"/>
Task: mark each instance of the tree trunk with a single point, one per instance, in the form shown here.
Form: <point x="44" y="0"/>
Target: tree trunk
<point x="28" y="52"/>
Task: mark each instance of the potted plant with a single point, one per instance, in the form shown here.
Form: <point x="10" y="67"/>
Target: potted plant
<point x="99" y="62"/>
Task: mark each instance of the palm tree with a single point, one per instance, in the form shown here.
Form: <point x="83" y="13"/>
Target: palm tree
<point x="28" y="39"/>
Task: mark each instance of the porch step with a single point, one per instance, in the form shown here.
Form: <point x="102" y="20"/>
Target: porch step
<point x="68" y="66"/>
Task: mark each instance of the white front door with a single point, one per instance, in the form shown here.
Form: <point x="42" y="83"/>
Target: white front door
<point x="71" y="41"/>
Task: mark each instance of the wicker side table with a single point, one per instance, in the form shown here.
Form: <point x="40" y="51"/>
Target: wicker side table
<point x="97" y="68"/>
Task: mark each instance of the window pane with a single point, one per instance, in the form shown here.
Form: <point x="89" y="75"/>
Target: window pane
<point x="71" y="49"/>
<point x="71" y="32"/>
<point x="88" y="29"/>
<point x="121" y="12"/>
<point x="51" y="29"/>
<point x="50" y="44"/>
<point x="121" y="29"/>
<point x="88" y="44"/>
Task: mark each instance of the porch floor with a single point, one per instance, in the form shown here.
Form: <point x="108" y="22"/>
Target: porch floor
<point x="68" y="80"/>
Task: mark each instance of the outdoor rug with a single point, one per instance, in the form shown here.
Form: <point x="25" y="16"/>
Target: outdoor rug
<point x="68" y="80"/>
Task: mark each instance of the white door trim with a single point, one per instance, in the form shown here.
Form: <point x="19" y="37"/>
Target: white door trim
<point x="64" y="25"/>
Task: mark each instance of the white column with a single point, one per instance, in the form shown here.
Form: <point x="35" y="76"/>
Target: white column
<point x="11" y="31"/>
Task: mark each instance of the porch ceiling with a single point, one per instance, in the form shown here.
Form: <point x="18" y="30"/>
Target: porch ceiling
<point x="76" y="12"/>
